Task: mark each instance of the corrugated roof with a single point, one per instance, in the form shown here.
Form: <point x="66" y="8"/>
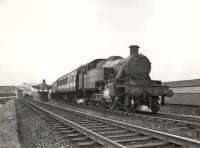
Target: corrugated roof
<point x="183" y="83"/>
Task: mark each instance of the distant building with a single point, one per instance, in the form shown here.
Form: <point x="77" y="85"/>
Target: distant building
<point x="186" y="92"/>
<point x="8" y="91"/>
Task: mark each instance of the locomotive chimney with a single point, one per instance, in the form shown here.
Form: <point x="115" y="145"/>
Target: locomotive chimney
<point x="134" y="50"/>
<point x="44" y="81"/>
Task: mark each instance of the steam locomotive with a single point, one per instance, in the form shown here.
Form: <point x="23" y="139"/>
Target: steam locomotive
<point x="116" y="83"/>
<point x="43" y="90"/>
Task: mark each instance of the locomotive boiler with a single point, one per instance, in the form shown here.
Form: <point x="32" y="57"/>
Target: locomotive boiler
<point x="116" y="83"/>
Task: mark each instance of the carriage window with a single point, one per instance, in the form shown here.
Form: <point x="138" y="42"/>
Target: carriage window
<point x="72" y="79"/>
<point x="66" y="80"/>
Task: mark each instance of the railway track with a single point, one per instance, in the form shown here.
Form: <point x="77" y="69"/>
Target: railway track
<point x="186" y="126"/>
<point x="92" y="131"/>
<point x="186" y="118"/>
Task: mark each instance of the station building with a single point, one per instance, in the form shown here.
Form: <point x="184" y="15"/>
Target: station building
<point x="186" y="92"/>
<point x="8" y="91"/>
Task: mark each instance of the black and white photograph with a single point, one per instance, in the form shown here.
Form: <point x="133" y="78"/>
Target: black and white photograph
<point x="99" y="74"/>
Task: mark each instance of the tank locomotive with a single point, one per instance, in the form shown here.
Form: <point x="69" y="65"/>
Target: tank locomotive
<point x="43" y="91"/>
<point x="116" y="83"/>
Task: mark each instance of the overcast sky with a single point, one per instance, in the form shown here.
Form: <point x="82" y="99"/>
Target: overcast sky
<point x="48" y="38"/>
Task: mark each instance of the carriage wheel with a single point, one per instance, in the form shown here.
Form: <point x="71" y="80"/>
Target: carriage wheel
<point x="155" y="106"/>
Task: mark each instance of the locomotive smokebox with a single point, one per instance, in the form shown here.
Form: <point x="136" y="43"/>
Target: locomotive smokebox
<point x="138" y="66"/>
<point x="134" y="49"/>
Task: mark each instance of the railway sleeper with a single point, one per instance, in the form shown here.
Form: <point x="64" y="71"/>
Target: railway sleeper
<point x="155" y="119"/>
<point x="91" y="144"/>
<point x="170" y="122"/>
<point x="150" y="145"/>
<point x="97" y="126"/>
<point x="181" y="124"/>
<point x="88" y="122"/>
<point x="125" y="136"/>
<point x="65" y="128"/>
<point x="50" y="119"/>
<point x="80" y="139"/>
<point x="71" y="136"/>
<point x="78" y="120"/>
<point x="73" y="120"/>
<point x="91" y="124"/>
<point x="56" y="124"/>
<point x="132" y="139"/>
<point x="122" y="135"/>
<point x="107" y="133"/>
<point x="68" y="132"/>
<point x="59" y="126"/>
<point x="104" y="129"/>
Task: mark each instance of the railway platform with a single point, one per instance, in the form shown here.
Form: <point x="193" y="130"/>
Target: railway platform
<point x="8" y="129"/>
